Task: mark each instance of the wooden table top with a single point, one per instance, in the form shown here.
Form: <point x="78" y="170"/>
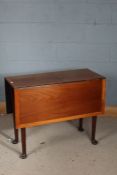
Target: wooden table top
<point x="59" y="77"/>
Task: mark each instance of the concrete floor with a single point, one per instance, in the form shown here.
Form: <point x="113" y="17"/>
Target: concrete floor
<point x="59" y="149"/>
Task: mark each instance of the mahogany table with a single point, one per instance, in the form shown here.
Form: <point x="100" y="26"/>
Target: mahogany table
<point x="43" y="98"/>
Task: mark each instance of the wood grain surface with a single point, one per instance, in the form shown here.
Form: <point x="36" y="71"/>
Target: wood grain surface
<point x="52" y="102"/>
<point x="59" y="77"/>
<point x="55" y="96"/>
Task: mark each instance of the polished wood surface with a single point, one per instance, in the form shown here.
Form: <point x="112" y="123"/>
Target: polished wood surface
<point x="60" y="77"/>
<point x="50" y="97"/>
<point x="58" y="101"/>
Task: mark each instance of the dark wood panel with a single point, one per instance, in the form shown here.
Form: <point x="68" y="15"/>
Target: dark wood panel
<point x="9" y="98"/>
<point x="52" y="78"/>
<point x="56" y="101"/>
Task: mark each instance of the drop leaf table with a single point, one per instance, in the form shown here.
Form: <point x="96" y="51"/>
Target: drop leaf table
<point x="44" y="98"/>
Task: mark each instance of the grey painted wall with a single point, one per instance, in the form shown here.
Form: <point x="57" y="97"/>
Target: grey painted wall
<point x="46" y="35"/>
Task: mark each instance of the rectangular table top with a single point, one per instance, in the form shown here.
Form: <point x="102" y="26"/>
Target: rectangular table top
<point x="49" y="78"/>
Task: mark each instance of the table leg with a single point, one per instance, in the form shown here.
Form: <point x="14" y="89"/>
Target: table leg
<point x="94" y="121"/>
<point x="23" y="141"/>
<point x="80" y="128"/>
<point x="15" y="141"/>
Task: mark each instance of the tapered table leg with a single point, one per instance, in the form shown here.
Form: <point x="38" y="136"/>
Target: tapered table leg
<point x="23" y="142"/>
<point x="15" y="141"/>
<point x="94" y="121"/>
<point x="80" y="128"/>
